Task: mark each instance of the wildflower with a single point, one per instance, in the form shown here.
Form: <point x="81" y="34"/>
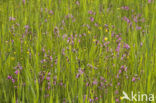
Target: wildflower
<point x="117" y="76"/>
<point x="133" y="79"/>
<point x="117" y="100"/>
<point x="91" y="19"/>
<point x="61" y="83"/>
<point x="24" y="2"/>
<point x="90" y="12"/>
<point x="106" y="38"/>
<point x="138" y="28"/>
<point x="100" y="28"/>
<point x="12" y="58"/>
<point x="87" y="84"/>
<point x="149" y="1"/>
<point x="89" y="32"/>
<point x="94" y="40"/>
<point x="141" y="44"/>
<point x="45" y="20"/>
<point x="120" y="71"/>
<point x="13" y="80"/>
<point x="17" y="72"/>
<point x="28" y="52"/>
<point x="96" y="24"/>
<point x="12" y="19"/>
<point x="126" y="46"/>
<point x="127" y="20"/>
<point x="106" y="30"/>
<point x="125" y="7"/>
<point x="51" y="12"/>
<point x="116" y="92"/>
<point x="9" y="77"/>
<point x="77" y="3"/>
<point x="26" y="26"/>
<point x="48" y="78"/>
<point x="81" y="71"/>
<point x="91" y="100"/>
<point x="95" y="82"/>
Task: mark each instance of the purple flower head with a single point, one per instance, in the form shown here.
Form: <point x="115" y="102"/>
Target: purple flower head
<point x="17" y="72"/>
<point x="9" y="77"/>
<point x="117" y="76"/>
<point x="51" y="12"/>
<point x="102" y="78"/>
<point x="77" y="3"/>
<point x="48" y="78"/>
<point x="95" y="82"/>
<point x="23" y="1"/>
<point x="125" y="7"/>
<point x="87" y="84"/>
<point x="138" y="28"/>
<point x="81" y="71"/>
<point x="117" y="100"/>
<point x="13" y="80"/>
<point x="122" y="67"/>
<point x="90" y="100"/>
<point x="125" y="69"/>
<point x="126" y="19"/>
<point x="118" y="48"/>
<point x="116" y="92"/>
<point x="101" y="84"/>
<point x="126" y="46"/>
<point x="54" y="82"/>
<point x="133" y="79"/>
<point x="141" y="44"/>
<point x="149" y="1"/>
<point x="78" y="75"/>
<point x="61" y="83"/>
<point x="12" y="19"/>
<point x="26" y="26"/>
<point x="64" y="36"/>
<point x="91" y="19"/>
<point x="106" y="25"/>
<point x="90" y="12"/>
<point x="96" y="24"/>
<point x="135" y="19"/>
<point x="120" y="71"/>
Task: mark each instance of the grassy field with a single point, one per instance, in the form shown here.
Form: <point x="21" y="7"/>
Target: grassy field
<point x="77" y="51"/>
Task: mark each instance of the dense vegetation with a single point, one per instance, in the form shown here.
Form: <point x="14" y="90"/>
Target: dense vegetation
<point x="84" y="51"/>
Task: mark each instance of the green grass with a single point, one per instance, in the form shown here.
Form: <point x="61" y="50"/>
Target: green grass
<point x="43" y="49"/>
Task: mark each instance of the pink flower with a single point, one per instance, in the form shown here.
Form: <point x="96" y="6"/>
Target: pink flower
<point x="51" y="12"/>
<point x="48" y="78"/>
<point x="133" y="79"/>
<point x="117" y="100"/>
<point x="17" y="72"/>
<point x="90" y="12"/>
<point x="95" y="82"/>
<point x="149" y="1"/>
<point x="23" y="1"/>
<point x="9" y="77"/>
<point x="12" y="19"/>
<point x="91" y="19"/>
<point x="13" y="80"/>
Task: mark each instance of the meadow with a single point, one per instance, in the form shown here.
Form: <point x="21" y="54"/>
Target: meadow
<point x="77" y="51"/>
